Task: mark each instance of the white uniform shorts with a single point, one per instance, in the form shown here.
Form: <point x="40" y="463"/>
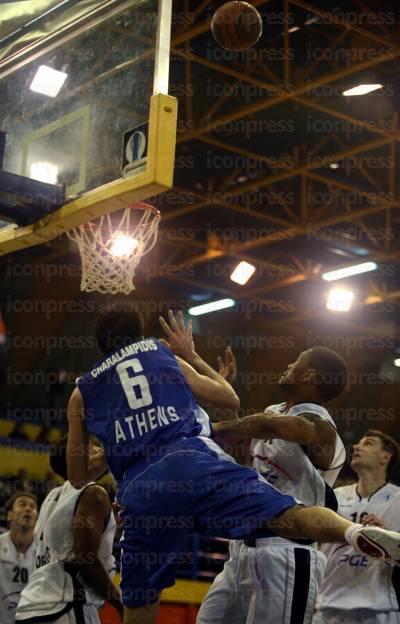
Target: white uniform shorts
<point x="275" y="582"/>
<point x="351" y="616"/>
<point x="90" y="614"/>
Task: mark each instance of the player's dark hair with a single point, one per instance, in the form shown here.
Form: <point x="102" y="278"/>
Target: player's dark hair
<point x="10" y="502"/>
<point x="331" y="372"/>
<point x="389" y="444"/>
<point x="117" y="327"/>
<point x="58" y="457"/>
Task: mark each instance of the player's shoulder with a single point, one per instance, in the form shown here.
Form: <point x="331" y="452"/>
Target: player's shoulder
<point x="344" y="492"/>
<point x="392" y="487"/>
<point x="5" y="536"/>
<point x="310" y="408"/>
<point x="391" y="491"/>
<point x="6" y="549"/>
<point x="95" y="494"/>
<point x="54" y="493"/>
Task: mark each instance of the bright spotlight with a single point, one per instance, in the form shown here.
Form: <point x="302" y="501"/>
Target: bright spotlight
<point x="242" y="273"/>
<point x="123" y="246"/>
<point x="355" y="269"/>
<point x="44" y="172"/>
<point x="48" y="81"/>
<point x="213" y="306"/>
<point x="362" y="89"/>
<point x="340" y="300"/>
<point x="397" y="362"/>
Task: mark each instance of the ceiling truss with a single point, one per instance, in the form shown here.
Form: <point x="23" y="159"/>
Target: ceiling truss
<point x="377" y="195"/>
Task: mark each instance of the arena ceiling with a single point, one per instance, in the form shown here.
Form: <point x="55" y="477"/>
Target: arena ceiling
<point x="259" y="134"/>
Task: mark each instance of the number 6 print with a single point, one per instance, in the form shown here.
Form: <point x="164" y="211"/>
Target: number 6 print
<point x="129" y="384"/>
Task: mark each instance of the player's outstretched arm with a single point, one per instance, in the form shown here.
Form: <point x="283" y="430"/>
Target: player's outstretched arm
<point x="77" y="445"/>
<point x="208" y="386"/>
<point x="308" y="429"/>
<point x="91" y="516"/>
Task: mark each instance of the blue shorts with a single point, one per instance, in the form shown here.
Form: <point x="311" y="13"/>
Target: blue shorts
<point x="193" y="486"/>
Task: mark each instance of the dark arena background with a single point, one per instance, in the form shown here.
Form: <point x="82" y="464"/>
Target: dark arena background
<point x="276" y="166"/>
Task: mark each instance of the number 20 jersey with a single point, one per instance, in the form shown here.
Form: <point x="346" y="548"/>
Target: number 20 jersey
<point x="15" y="570"/>
<point x="137" y="401"/>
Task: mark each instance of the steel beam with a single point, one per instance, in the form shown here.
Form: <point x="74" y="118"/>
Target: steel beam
<point x="289" y="94"/>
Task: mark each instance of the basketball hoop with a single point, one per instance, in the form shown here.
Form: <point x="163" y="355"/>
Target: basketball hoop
<point x="112" y="248"/>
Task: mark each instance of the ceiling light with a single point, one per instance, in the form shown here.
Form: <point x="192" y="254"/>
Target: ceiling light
<point x="48" y="81"/>
<point x="340" y="300"/>
<point x="242" y="273"/>
<point x="362" y="89"/>
<point x="213" y="306"/>
<point x="44" y="172"/>
<point x="294" y="29"/>
<point x="397" y="362"/>
<point x="372" y="299"/>
<point x="355" y="269"/>
<point x="334" y="165"/>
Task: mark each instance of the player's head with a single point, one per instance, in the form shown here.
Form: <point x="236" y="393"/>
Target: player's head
<point x="375" y="451"/>
<point x="58" y="459"/>
<point x="118" y="326"/>
<point x="318" y="370"/>
<point x="21" y="511"/>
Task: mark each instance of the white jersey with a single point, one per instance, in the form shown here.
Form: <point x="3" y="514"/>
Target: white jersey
<point x="277" y="580"/>
<point x="287" y="466"/>
<point x="51" y="587"/>
<point x="353" y="580"/>
<point x="46" y="509"/>
<point x="15" y="570"/>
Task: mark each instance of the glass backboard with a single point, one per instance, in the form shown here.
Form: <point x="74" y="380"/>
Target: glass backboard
<point x="78" y="112"/>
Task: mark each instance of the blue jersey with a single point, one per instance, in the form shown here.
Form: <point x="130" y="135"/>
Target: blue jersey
<point x="136" y="401"/>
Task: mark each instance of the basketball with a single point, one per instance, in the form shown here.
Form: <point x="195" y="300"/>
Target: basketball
<point x="236" y="25"/>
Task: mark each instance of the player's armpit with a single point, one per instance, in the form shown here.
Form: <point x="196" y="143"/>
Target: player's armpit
<point x="77" y="446"/>
<point x="91" y="517"/>
<point x="92" y="512"/>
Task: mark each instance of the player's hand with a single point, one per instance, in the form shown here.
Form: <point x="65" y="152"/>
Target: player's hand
<point x="227" y="367"/>
<point x="179" y="336"/>
<point x="371" y="519"/>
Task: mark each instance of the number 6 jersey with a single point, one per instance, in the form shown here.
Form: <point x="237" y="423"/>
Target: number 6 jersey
<point x="15" y="570"/>
<point x="137" y="401"/>
<point x="353" y="580"/>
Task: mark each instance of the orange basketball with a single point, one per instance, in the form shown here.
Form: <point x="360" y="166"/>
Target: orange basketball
<point x="236" y="25"/>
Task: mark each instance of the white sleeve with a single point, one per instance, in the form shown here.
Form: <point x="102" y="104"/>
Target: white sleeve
<point x="310" y="408"/>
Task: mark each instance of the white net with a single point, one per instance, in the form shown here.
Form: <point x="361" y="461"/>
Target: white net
<point x="112" y="247"/>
